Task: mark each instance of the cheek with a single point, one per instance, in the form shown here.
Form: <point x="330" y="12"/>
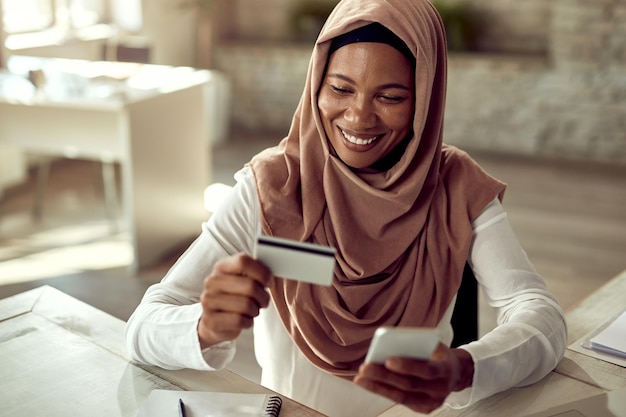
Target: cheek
<point x="328" y="110"/>
<point x="399" y="120"/>
<point x="405" y="118"/>
<point x="324" y="104"/>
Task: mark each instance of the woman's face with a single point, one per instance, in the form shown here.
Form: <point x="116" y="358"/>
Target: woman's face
<point x="367" y="101"/>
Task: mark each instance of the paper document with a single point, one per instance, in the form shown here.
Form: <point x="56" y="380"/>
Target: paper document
<point x="607" y="346"/>
<point x="612" y="339"/>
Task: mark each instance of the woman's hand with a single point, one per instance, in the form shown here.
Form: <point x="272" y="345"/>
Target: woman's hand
<point x="421" y="385"/>
<point x="232" y="296"/>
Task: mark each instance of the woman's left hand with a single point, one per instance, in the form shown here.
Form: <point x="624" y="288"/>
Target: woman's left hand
<point x="421" y="385"/>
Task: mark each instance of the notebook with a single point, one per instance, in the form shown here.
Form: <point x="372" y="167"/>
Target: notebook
<point x="165" y="403"/>
<point x="608" y="404"/>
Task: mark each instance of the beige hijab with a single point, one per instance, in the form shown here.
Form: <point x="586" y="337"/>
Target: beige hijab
<point x="403" y="235"/>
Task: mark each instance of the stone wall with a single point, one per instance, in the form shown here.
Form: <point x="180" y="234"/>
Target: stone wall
<point x="266" y="83"/>
<point x="569" y="100"/>
<point x="586" y="97"/>
<point x="512" y="26"/>
<point x="524" y="105"/>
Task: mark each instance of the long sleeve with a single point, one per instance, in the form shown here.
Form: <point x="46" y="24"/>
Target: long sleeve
<point x="162" y="330"/>
<point x="531" y="335"/>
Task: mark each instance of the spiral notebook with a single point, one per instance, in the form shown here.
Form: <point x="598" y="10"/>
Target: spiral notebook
<point x="165" y="403"/>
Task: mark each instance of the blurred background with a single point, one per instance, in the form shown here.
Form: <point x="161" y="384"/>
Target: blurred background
<point x="536" y="93"/>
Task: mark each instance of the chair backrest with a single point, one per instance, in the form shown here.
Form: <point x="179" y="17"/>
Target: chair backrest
<point x="465" y="314"/>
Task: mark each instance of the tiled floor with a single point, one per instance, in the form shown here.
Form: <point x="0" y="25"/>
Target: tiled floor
<point x="569" y="217"/>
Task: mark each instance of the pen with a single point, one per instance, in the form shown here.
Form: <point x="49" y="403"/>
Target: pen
<point x="181" y="408"/>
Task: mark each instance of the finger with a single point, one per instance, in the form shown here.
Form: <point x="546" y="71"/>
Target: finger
<point x="427" y="370"/>
<point x="222" y="326"/>
<point x="417" y="401"/>
<point x="229" y="303"/>
<point x="405" y="381"/>
<point x="438" y="366"/>
<point x="441" y="371"/>
<point x="244" y="265"/>
<point x="216" y="287"/>
<point x="223" y="322"/>
<point x="224" y="316"/>
<point x="403" y="366"/>
<point x="231" y="297"/>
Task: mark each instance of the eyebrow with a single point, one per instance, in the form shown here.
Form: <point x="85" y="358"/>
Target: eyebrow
<point x="389" y="85"/>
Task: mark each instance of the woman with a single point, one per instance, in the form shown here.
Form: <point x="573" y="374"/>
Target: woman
<point x="364" y="170"/>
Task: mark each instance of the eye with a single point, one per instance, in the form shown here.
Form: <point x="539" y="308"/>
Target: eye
<point x="339" y="90"/>
<point x="391" y="99"/>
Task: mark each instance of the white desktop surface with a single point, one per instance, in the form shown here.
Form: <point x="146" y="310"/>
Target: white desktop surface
<point x="607" y="404"/>
<point x="62" y="357"/>
<point x="68" y="358"/>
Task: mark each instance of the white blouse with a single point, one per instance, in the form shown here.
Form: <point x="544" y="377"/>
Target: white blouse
<point x="528" y="342"/>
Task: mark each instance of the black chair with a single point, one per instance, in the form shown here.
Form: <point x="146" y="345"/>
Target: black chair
<point x="465" y="314"/>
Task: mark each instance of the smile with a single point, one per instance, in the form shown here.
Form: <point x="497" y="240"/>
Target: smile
<point x="359" y="141"/>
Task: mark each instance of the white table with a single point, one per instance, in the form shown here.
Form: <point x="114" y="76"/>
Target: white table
<point x="151" y="119"/>
<point x="68" y="358"/>
<point x="585" y="317"/>
<point x="60" y="357"/>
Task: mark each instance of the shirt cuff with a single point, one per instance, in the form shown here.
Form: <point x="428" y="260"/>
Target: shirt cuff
<point x="214" y="357"/>
<point x="220" y="355"/>
<point x="464" y="398"/>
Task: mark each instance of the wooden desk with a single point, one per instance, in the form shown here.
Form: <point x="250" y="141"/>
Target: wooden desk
<point x="68" y="358"/>
<point x="151" y="119"/>
<point x="586" y="316"/>
<point x="62" y="357"/>
<point x="577" y="376"/>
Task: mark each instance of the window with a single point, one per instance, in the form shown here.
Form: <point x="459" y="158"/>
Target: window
<point x="27" y="15"/>
<point x="20" y="16"/>
<point x="127" y="14"/>
<point x="86" y="12"/>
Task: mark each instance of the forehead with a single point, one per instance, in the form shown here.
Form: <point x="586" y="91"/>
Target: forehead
<point x="370" y="59"/>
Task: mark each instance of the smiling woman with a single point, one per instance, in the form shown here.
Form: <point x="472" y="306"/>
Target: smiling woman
<point x="364" y="170"/>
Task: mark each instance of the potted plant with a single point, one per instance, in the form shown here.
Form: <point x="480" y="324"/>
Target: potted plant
<point x="461" y="24"/>
<point x="308" y="16"/>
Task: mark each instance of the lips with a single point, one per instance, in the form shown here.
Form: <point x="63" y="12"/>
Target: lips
<point x="359" y="140"/>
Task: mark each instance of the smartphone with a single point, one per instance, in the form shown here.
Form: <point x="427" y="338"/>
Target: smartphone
<point x="408" y="342"/>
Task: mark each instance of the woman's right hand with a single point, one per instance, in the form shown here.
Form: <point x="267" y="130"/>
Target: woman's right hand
<point x="232" y="296"/>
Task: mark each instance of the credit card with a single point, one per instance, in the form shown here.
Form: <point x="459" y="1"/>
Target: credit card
<point x="300" y="261"/>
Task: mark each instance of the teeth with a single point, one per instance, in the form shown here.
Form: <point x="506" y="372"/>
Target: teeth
<point x="358" y="141"/>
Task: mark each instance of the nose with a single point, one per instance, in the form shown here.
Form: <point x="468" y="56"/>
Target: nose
<point x="360" y="113"/>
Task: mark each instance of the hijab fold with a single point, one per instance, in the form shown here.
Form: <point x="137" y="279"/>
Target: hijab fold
<point x="402" y="235"/>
